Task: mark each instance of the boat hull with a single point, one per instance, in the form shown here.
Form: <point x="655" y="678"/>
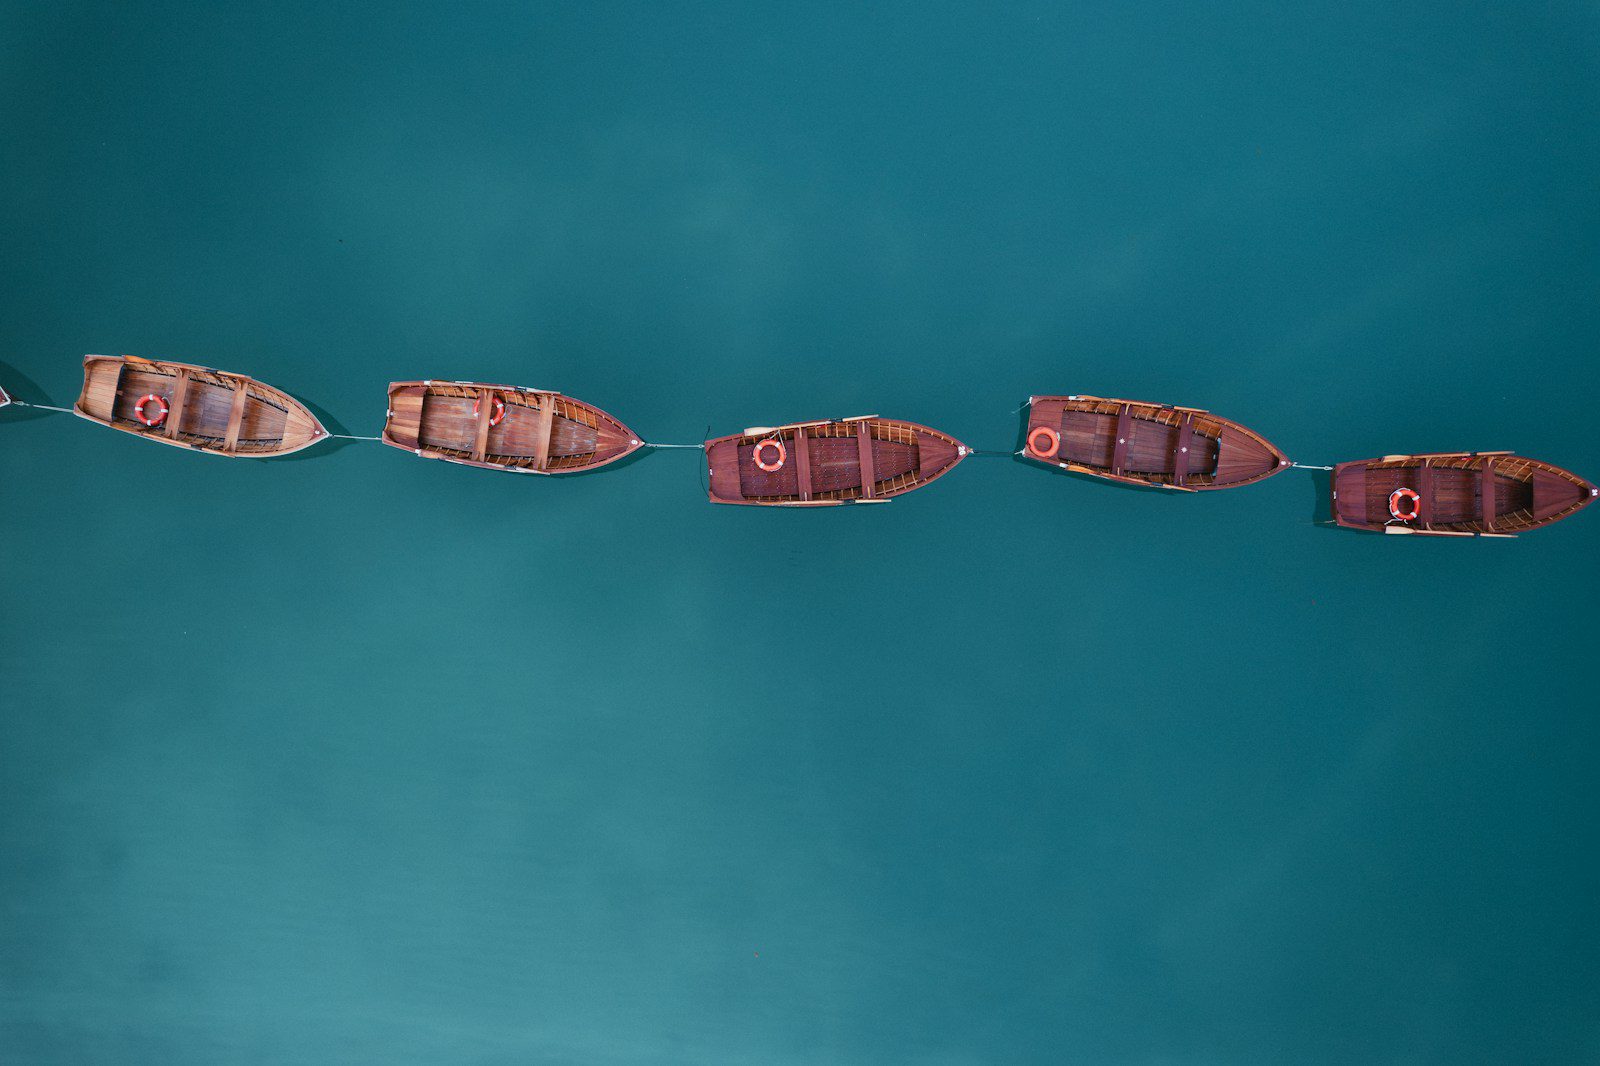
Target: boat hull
<point x="503" y="427"/>
<point x="1181" y="448"/>
<point x="1456" y="494"/>
<point x="211" y="411"/>
<point x="829" y="463"/>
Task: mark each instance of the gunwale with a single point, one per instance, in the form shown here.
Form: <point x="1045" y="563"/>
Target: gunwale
<point x="1514" y="483"/>
<point x="189" y="395"/>
<point x="555" y="416"/>
<point x="1254" y="455"/>
<point x="879" y="445"/>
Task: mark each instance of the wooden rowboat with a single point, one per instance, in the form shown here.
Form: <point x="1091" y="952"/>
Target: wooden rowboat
<point x="1181" y="448"/>
<point x="502" y="427"/>
<point x="194" y="407"/>
<point x="824" y="464"/>
<point x="1456" y="494"/>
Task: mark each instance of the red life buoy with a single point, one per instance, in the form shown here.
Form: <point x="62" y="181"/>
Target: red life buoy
<point x="159" y="417"/>
<point x="776" y="464"/>
<point x="1052" y="442"/>
<point x="1410" y="495"/>
<point x="499" y="414"/>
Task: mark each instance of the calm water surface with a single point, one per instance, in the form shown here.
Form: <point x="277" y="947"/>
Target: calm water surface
<point x="356" y="758"/>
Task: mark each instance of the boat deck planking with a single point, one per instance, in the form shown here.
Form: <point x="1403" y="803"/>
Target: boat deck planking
<point x="1138" y="443"/>
<point x="208" y="410"/>
<point x="829" y="463"/>
<point x="1460" y="493"/>
<point x="541" y="432"/>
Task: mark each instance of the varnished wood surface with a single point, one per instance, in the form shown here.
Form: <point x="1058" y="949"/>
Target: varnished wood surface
<point x="1462" y="493"/>
<point x="1151" y="444"/>
<point x="801" y="454"/>
<point x="825" y="462"/>
<point x="485" y="412"/>
<point x="1183" y="443"/>
<point x="178" y="402"/>
<point x="205" y="409"/>
<point x="864" y="458"/>
<point x="230" y="438"/>
<point x="543" y="432"/>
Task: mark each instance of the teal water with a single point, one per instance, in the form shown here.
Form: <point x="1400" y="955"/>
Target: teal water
<point x="357" y="758"/>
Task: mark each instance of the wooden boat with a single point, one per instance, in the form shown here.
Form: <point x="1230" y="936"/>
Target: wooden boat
<point x="502" y="427"/>
<point x="823" y="464"/>
<point x="1456" y="494"/>
<point x="194" y="407"/>
<point x="1181" y="448"/>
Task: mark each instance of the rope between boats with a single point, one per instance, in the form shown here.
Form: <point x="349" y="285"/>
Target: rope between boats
<point x="646" y="444"/>
<point x="43" y="407"/>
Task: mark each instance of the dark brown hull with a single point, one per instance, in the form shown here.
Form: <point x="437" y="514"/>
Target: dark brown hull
<point x="541" y="432"/>
<point x="208" y="410"/>
<point x="1136" y="443"/>
<point x="1459" y="494"/>
<point x="825" y="464"/>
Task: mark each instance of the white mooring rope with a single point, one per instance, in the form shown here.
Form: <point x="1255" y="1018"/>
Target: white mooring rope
<point x="643" y="444"/>
<point x="43" y="407"/>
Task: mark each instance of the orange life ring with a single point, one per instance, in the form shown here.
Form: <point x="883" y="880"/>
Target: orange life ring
<point x="161" y="415"/>
<point x="1050" y="435"/>
<point x="499" y="414"/>
<point x="777" y="464"/>
<point x="1405" y="494"/>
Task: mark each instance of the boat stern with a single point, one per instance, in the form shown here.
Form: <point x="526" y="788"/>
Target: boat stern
<point x="1348" y="496"/>
<point x="97" y="399"/>
<point x="402" y="423"/>
<point x="722" y="466"/>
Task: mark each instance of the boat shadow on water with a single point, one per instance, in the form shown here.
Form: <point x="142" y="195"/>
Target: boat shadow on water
<point x="323" y="448"/>
<point x="1322" y="501"/>
<point x="23" y="390"/>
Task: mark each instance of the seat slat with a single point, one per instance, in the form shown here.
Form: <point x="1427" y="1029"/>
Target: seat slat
<point x="544" y="430"/>
<point x="180" y="396"/>
<point x="802" y="462"/>
<point x="1486" y="494"/>
<point x="1180" y="451"/>
<point x="241" y="396"/>
<point x="1424" y="487"/>
<point x="480" y="447"/>
<point x="869" y="470"/>
<point x="1119" y="454"/>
